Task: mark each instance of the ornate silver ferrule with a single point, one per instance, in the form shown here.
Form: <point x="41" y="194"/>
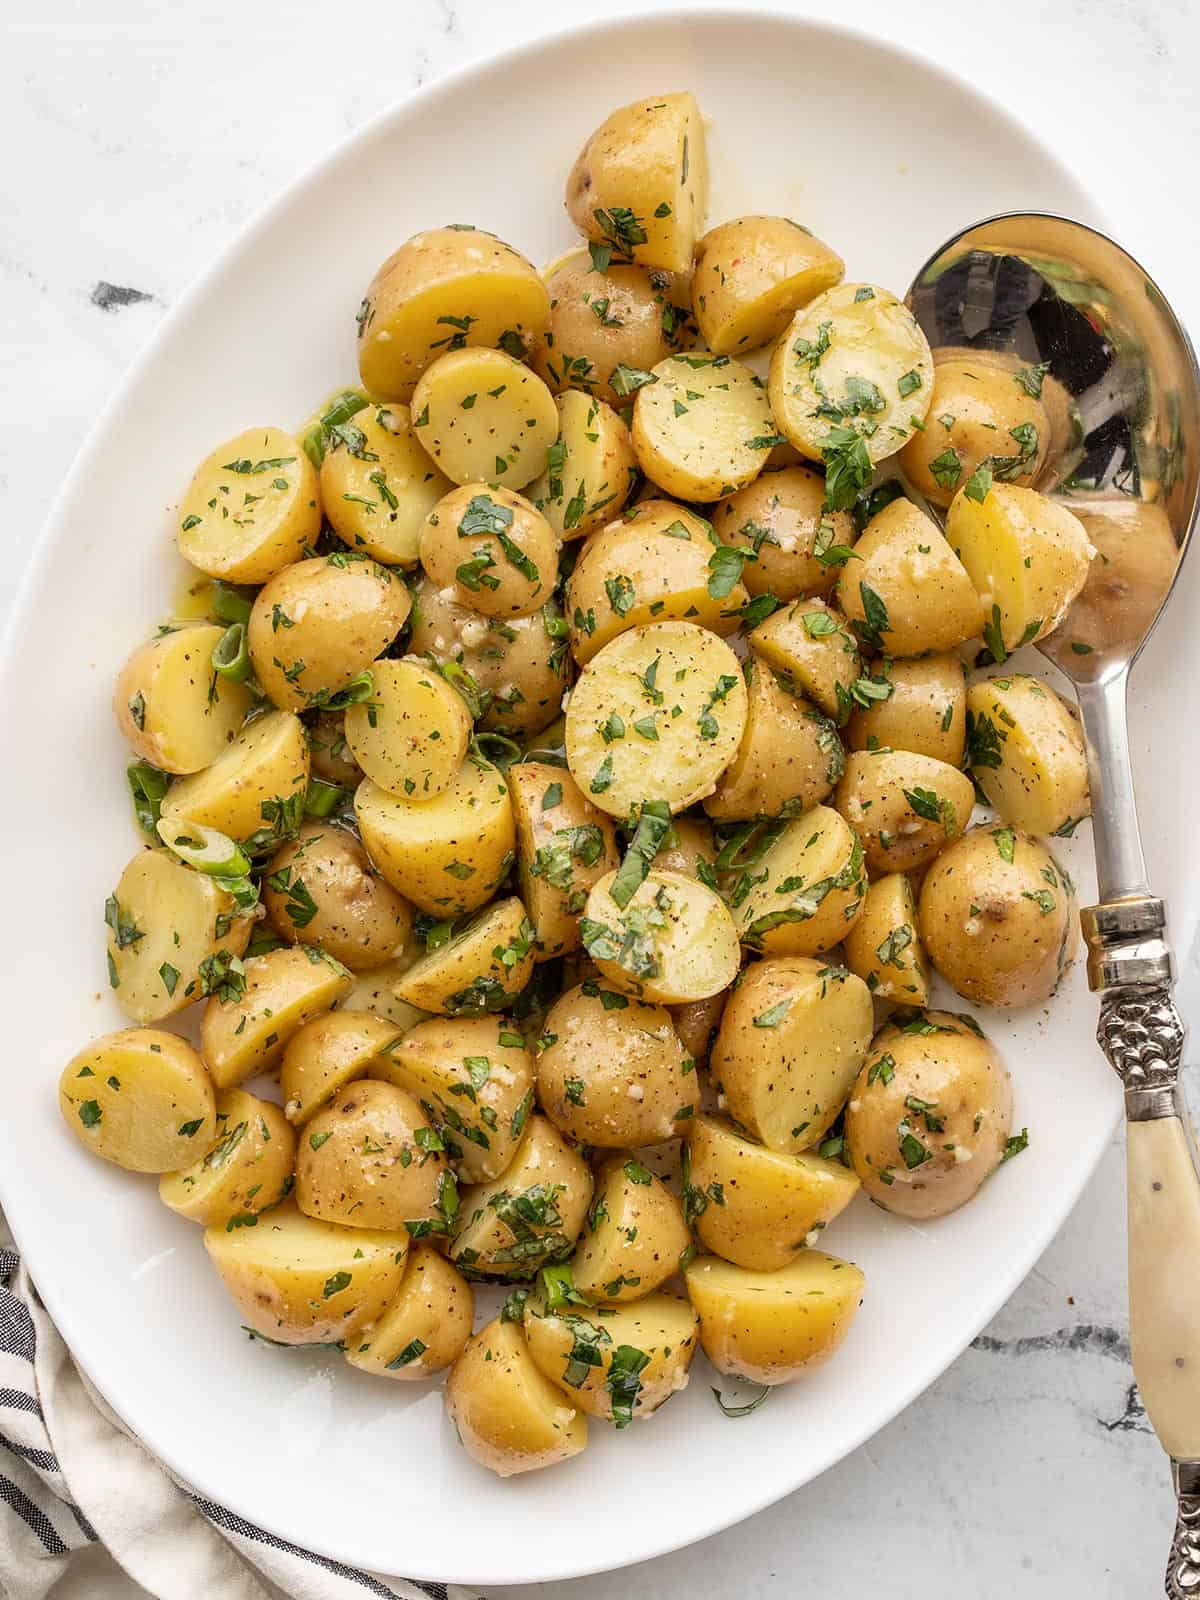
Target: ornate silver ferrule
<point x="1183" y="1569"/>
<point x="1140" y="1031"/>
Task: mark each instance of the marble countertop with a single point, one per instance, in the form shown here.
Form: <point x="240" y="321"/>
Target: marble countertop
<point x="140" y="136"/>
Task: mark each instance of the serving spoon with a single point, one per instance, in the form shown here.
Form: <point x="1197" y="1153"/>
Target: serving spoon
<point x="1121" y="390"/>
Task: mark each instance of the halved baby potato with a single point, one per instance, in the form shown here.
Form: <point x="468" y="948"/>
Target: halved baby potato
<point x="611" y="1071"/>
<point x="640" y="183"/>
<point x="443" y="290"/>
<point x="773" y="1327"/>
<point x="884" y="947"/>
<point x="373" y="992"/>
<point x="508" y="1415"/>
<point x="922" y="710"/>
<point x="140" y="1098"/>
<point x="620" y="1363"/>
<point x="320" y="623"/>
<point x="296" y="1280"/>
<point x="326" y="1054"/>
<point x="855" y="358"/>
<point x="703" y="428"/>
<point x="807" y="889"/>
<point x="246" y="1167"/>
<point x="789" y="759"/>
<point x="255" y="783"/>
<point x="793" y="544"/>
<point x="172" y="706"/>
<point x="447" y="855"/>
<point x="424" y="1328"/>
<point x="473" y="1077"/>
<point x="1027" y="556"/>
<point x="483" y="967"/>
<point x="811" y="643"/>
<point x="410" y="737"/>
<point x="791" y="1041"/>
<point x="491" y="550"/>
<point x="565" y="844"/>
<point x="247" y="1022"/>
<point x="590" y="468"/>
<point x="636" y="1236"/>
<point x="531" y="1214"/>
<point x="979" y="414"/>
<point x="369" y="1159"/>
<point x="251" y="508"/>
<point x="482" y="416"/>
<point x="904" y="807"/>
<point x="672" y="941"/>
<point x="658" y="713"/>
<point x="752" y="274"/>
<point x="171" y="933"/>
<point x="1026" y="753"/>
<point x="758" y="1207"/>
<point x="378" y="485"/>
<point x="319" y="889"/>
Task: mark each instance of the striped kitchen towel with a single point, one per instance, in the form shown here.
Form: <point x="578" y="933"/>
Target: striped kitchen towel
<point x="70" y="1475"/>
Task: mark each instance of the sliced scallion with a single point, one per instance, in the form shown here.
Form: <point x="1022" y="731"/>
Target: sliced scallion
<point x="230" y="656"/>
<point x="210" y="852"/>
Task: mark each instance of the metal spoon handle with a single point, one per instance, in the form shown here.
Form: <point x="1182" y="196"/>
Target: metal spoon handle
<point x="1183" y="1572"/>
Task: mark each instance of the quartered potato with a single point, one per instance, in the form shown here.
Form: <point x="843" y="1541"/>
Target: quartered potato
<point x="565" y="844"/>
<point x="590" y="468"/>
<point x="751" y="275"/>
<point x="173" y="933"/>
<point x="295" y="1280"/>
<point x="245" y="1169"/>
<point x="979" y="415"/>
<point x="807" y="889"/>
<point x="884" y="948"/>
<point x="640" y="183"/>
<point x="447" y="855"/>
<point x="609" y="324"/>
<point x="532" y="1214"/>
<point x="509" y="1416"/>
<point x="251" y="508"/>
<point x="443" y="290"/>
<point x="813" y="645"/>
<point x="373" y="992"/>
<point x="930" y="1114"/>
<point x="259" y="1004"/>
<point x="611" y="1071"/>
<point x="791" y="1041"/>
<point x="482" y="967"/>
<point x="488" y="548"/>
<point x="410" y="737"/>
<point x="853" y="360"/>
<point x="620" y="1363"/>
<point x="257" y="784"/>
<point x="756" y="1207"/>
<point x="904" y="807"/>
<point x="320" y="623"/>
<point x="140" y="1098"/>
<point x="671" y="941"/>
<point x="789" y="759"/>
<point x="319" y="890"/>
<point x="326" y="1054"/>
<point x="473" y="1077"/>
<point x="773" y="1327"/>
<point x="659" y="563"/>
<point x="703" y="427"/>
<point x="907" y="593"/>
<point x="635" y="1238"/>
<point x="1027" y="556"/>
<point x="1026" y="753"/>
<point x="426" y="1325"/>
<point x="173" y="707"/>
<point x="378" y="485"/>
<point x="793" y="544"/>
<point x="998" y="917"/>
<point x="482" y="416"/>
<point x="659" y="712"/>
<point x="919" y="704"/>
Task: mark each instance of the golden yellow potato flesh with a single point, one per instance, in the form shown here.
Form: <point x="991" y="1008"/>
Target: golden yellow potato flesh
<point x="752" y="274"/>
<point x="1027" y="753"/>
<point x="806" y="889"/>
<point x="884" y="946"/>
<point x="256" y="783"/>
<point x="140" y="1098"/>
<point x="425" y="1326"/>
<point x="703" y="428"/>
<point x="637" y="1354"/>
<point x="635" y="1237"/>
<point x="252" y="506"/>
<point x="509" y="1416"/>
<point x="172" y="706"/>
<point x="378" y="485"/>
<point x="246" y="1166"/>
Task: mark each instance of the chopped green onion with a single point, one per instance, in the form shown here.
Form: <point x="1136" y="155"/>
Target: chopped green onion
<point x="229" y="603"/>
<point x="230" y="656"/>
<point x="343" y="406"/>
<point x="210" y="852"/>
<point x="322" y="799"/>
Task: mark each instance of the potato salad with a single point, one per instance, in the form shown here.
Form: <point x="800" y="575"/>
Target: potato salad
<point x="578" y="749"/>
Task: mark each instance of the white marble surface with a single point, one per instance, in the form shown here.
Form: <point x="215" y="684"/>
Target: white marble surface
<point x="139" y="135"/>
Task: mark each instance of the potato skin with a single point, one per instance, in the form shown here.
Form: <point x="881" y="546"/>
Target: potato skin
<point x="425" y="1326"/>
<point x="254" y="780"/>
<point x="925" y="712"/>
<point x="789" y="759"/>
<point x="1027" y="753"/>
<point x="777" y="518"/>
<point x="247" y="1032"/>
<point x="369" y="1159"/>
<point x="820" y="859"/>
<point x="552" y="1181"/>
<point x="998" y="917"/>
<point x="635" y="1235"/>
<point x="245" y="1168"/>
<point x="359" y="918"/>
<point x="661" y="1327"/>
<point x="929" y="1116"/>
<point x="884" y="946"/>
<point x="752" y="274"/>
<point x="512" y="531"/>
<point x="321" y="622"/>
<point x="972" y="416"/>
<point x="565" y="844"/>
<point x="441" y="273"/>
<point x="251" y="508"/>
<point x="323" y="1056"/>
<point x="509" y="1416"/>
<point x="614" y="1075"/>
<point x="172" y="708"/>
<point x="812" y="644"/>
<point x="140" y="1098"/>
<point x="904" y="807"/>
